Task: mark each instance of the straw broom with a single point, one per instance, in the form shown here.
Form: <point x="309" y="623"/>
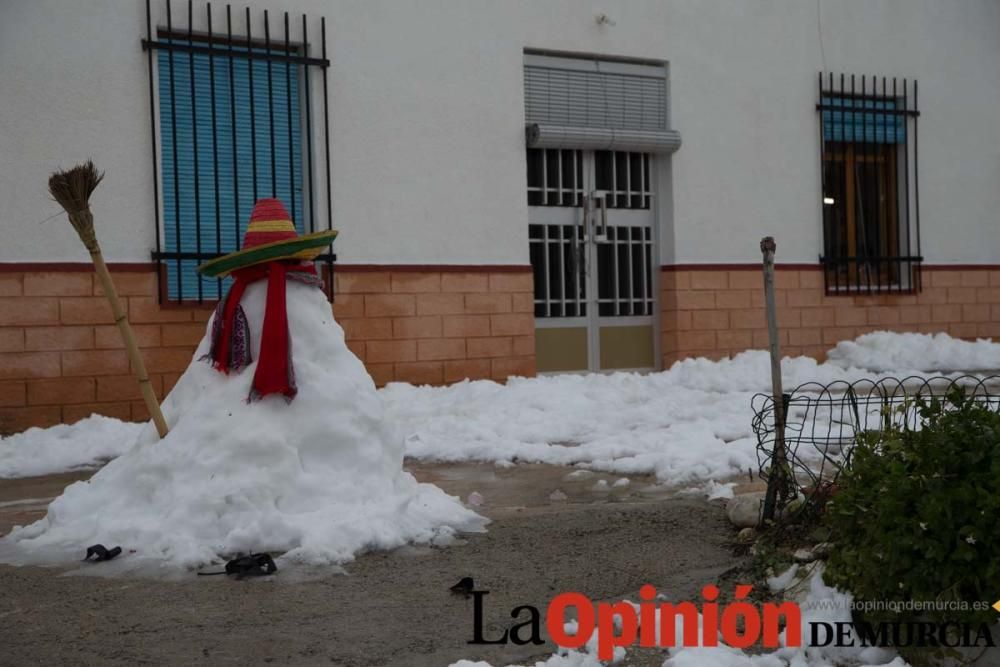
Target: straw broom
<point x="72" y="189"/>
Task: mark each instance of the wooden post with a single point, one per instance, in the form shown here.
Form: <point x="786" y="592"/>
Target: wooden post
<point x="776" y="477"/>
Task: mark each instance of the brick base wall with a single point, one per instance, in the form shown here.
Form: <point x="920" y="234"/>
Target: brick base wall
<point x="434" y="327"/>
<point x="717" y="312"/>
<point x="61" y="356"/>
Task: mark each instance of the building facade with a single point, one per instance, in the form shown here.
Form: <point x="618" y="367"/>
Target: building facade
<point x="519" y="187"/>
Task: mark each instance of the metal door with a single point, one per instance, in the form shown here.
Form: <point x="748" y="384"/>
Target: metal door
<point x="591" y="220"/>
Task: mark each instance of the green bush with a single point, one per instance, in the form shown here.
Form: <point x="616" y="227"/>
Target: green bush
<point x="917" y="512"/>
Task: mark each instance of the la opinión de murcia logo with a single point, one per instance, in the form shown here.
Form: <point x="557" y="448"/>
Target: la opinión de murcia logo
<point x="739" y="624"/>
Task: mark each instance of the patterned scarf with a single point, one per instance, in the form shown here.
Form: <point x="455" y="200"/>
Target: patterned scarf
<point x="230" y="350"/>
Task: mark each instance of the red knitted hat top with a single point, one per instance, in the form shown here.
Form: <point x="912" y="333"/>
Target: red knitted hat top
<point x="269" y="223"/>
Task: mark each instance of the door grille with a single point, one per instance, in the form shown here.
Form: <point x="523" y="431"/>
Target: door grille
<point x="556" y="256"/>
<point x="624" y="272"/>
<point x="625" y="177"/>
<point x="555" y="177"/>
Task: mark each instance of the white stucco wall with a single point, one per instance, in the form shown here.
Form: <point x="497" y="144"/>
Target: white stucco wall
<point x="426" y="118"/>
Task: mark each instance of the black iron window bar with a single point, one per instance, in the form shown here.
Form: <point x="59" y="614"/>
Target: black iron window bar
<point x="555" y="177"/>
<point x="624" y="175"/>
<point x="560" y="288"/>
<point x="229" y="49"/>
<point x="868" y="162"/>
<point x="625" y="272"/>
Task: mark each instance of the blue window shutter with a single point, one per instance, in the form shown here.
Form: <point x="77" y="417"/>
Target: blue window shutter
<point x="862" y="126"/>
<point x="223" y="222"/>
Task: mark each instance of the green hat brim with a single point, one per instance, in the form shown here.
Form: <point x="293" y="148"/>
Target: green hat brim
<point x="304" y="248"/>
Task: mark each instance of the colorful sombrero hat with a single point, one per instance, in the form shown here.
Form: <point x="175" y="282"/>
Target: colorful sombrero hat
<point x="270" y="236"/>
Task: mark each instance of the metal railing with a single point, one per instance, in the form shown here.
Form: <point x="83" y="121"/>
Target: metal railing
<point x="871" y="275"/>
<point x="823" y="423"/>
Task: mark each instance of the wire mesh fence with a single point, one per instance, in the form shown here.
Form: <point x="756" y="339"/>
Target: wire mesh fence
<point x="823" y="423"/>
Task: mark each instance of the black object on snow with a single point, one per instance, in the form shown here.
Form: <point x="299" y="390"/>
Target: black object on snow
<point x="100" y="553"/>
<point x="254" y="565"/>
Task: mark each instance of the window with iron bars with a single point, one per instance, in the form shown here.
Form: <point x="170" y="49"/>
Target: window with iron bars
<point x="233" y="118"/>
<point x="871" y="212"/>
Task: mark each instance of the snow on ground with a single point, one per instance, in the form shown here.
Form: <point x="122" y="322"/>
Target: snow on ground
<point x="818" y="602"/>
<point x="86" y="444"/>
<point x="883" y="351"/>
<point x="689" y="424"/>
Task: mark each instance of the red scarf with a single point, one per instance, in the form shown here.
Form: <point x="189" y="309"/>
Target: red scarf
<point x="274" y="374"/>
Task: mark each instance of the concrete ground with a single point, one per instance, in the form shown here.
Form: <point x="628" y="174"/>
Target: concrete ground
<point x="385" y="608"/>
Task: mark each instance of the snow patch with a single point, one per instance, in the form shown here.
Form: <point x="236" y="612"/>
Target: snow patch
<point x="688" y="424"/>
<point x="716" y="491"/>
<point x="783" y="580"/>
<point x="885" y="351"/>
<point x="86" y="444"/>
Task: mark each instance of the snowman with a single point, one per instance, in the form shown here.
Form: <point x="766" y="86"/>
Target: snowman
<point x="277" y="438"/>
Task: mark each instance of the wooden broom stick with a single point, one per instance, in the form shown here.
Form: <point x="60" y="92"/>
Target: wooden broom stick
<point x="72" y="189"/>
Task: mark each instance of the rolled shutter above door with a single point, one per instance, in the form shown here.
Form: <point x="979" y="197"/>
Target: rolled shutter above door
<point x="600" y="139"/>
<point x="593" y="104"/>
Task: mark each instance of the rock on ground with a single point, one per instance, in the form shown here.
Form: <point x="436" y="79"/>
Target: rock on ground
<point x="744" y="511"/>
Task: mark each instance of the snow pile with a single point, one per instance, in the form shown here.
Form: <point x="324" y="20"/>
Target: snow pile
<point x="86" y="444"/>
<point x="319" y="478"/>
<point x="884" y="351"/>
<point x="691" y="423"/>
<point x="751" y="371"/>
<point x="622" y="423"/>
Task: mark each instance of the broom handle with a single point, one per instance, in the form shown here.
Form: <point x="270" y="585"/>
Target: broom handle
<point x="130" y="343"/>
